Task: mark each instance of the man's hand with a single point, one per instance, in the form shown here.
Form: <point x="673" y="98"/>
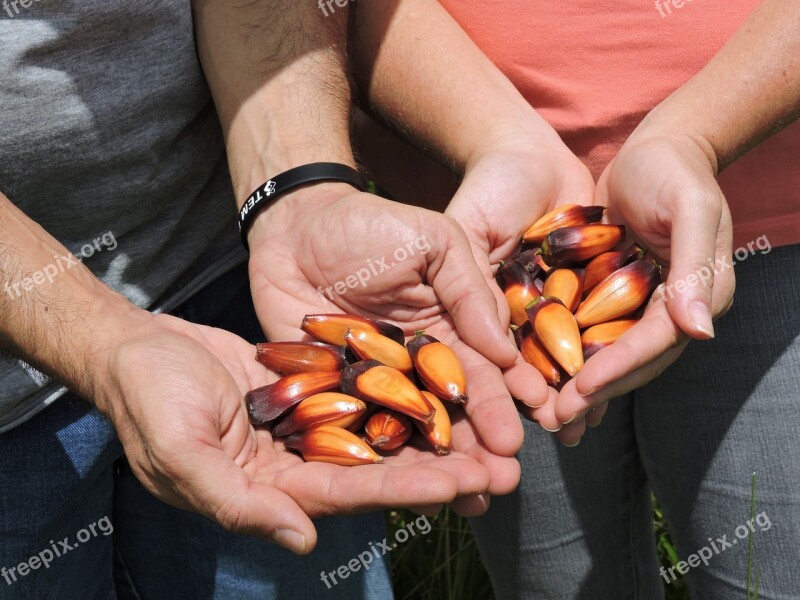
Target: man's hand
<point x="663" y="186"/>
<point x="329" y="248"/>
<point x="278" y="79"/>
<point x="174" y="391"/>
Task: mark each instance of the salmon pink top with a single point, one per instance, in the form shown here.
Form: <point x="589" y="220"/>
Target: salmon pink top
<point x="594" y="69"/>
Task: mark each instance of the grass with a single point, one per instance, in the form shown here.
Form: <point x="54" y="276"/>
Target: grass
<point x="445" y="563"/>
<point x="750" y="550"/>
<point x="668" y="555"/>
<point x="442" y="565"/>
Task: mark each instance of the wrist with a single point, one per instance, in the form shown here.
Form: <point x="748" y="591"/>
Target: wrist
<point x="75" y="347"/>
<point x="288" y="181"/>
<point x="522" y="129"/>
<point x="667" y="123"/>
<point x="294" y="207"/>
<point x="245" y="182"/>
<point x="110" y="320"/>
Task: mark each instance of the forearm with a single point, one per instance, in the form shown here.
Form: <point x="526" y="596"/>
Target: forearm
<point x="277" y="74"/>
<point x="749" y="90"/>
<point x="54" y="313"/>
<point x="420" y="71"/>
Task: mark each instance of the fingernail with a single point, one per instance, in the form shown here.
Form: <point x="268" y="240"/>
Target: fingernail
<point x="291" y="540"/>
<point x="594" y="390"/>
<point x="570" y="445"/>
<point x="593" y="425"/>
<point x="513" y="346"/>
<point x="701" y="318"/>
<point x="573" y="418"/>
<point x="550" y="430"/>
<point x="529" y="405"/>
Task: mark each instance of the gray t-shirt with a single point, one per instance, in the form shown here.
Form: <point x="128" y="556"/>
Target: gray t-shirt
<point x="109" y="140"/>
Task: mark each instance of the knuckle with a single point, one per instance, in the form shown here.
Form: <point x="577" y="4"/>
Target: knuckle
<point x="671" y="334"/>
<point x="702" y="200"/>
<point x="229" y="516"/>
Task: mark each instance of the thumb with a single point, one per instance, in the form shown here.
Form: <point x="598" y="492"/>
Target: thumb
<point x="465" y="293"/>
<point x="223" y="492"/>
<point x="691" y="274"/>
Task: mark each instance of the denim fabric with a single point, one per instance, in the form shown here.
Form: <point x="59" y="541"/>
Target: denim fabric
<point x="57" y="478"/>
<point x="63" y="479"/>
<point x="580" y="525"/>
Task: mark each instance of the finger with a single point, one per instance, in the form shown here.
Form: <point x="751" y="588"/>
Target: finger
<point x="724" y="286"/>
<point x="523" y="381"/>
<point x="504" y="472"/>
<point x="545" y="415"/>
<point x="218" y="488"/>
<point x="490" y="407"/>
<point x="526" y="384"/>
<point x="570" y="435"/>
<point x="472" y="477"/>
<point x="651" y="337"/>
<point x="322" y="489"/>
<point x="595" y="416"/>
<point x="246" y="372"/>
<point x="465" y="293"/>
<point x="430" y="510"/>
<point x="695" y="225"/>
<point x="572" y="403"/>
<point x="471" y="506"/>
<point x="503" y="309"/>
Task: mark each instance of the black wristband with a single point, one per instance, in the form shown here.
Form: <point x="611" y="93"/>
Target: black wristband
<point x="289" y="180"/>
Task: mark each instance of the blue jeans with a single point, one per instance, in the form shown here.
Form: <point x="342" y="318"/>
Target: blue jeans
<point x="580" y="525"/>
<point x="76" y="524"/>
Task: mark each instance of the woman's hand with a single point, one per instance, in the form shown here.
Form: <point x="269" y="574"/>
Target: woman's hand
<point x="509" y="183"/>
<point x="662" y="186"/>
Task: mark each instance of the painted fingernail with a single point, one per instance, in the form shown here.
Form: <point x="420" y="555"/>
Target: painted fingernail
<point x="291" y="540"/>
<point x="700" y="317"/>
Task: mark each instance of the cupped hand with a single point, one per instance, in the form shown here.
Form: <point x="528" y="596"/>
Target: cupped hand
<point x="331" y="249"/>
<point x="662" y="186"/>
<point x="174" y="391"/>
<point x="510" y="182"/>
